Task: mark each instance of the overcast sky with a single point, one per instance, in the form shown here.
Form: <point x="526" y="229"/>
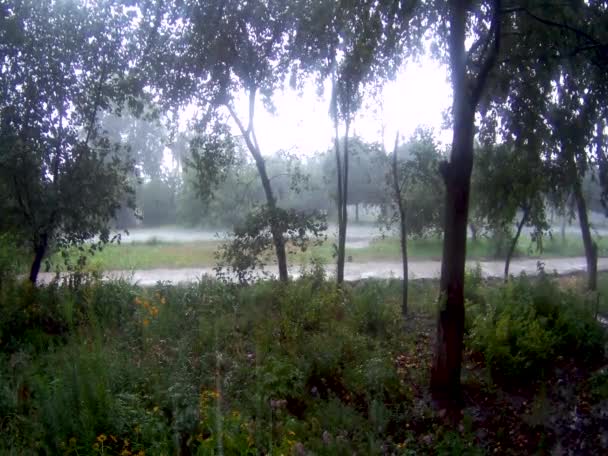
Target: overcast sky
<point x="419" y="96"/>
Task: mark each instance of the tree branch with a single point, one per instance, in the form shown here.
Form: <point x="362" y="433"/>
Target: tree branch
<point x="490" y="59"/>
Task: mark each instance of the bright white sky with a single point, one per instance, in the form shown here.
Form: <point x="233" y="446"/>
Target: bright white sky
<point x="419" y="96"/>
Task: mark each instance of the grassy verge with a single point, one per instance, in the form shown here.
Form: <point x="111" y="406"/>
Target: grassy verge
<point x="157" y="254"/>
<point x="305" y="368"/>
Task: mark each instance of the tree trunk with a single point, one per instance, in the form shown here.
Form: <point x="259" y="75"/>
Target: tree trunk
<point x="473" y="228"/>
<point x="357" y="212"/>
<point x="277" y="235"/>
<point x="445" y="372"/>
<point x="402" y="230"/>
<point x="254" y="149"/>
<point x="511" y="250"/>
<point x="342" y="175"/>
<point x="590" y="245"/>
<point x="39" y="252"/>
<point x="342" y="238"/>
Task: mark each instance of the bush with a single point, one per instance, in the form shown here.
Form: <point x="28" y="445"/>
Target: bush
<point x="528" y="323"/>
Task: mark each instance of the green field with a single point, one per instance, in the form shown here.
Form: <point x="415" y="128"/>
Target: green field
<point x="156" y="254"/>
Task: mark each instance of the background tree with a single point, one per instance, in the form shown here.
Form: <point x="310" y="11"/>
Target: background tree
<point x="351" y="44"/>
<point x="416" y="192"/>
<point x="213" y="52"/>
<point x="63" y="63"/>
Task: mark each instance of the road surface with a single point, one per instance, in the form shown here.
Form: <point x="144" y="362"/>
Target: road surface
<point x="356" y="271"/>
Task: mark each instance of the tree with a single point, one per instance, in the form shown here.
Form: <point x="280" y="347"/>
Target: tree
<point x="416" y="194"/>
<point x="550" y="92"/>
<point x="513" y="182"/>
<point x="352" y="44"/>
<point x="211" y="52"/>
<point x="469" y="73"/>
<point x="63" y="63"/>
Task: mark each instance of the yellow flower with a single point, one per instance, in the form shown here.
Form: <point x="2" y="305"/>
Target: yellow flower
<point x="126" y="443"/>
<point x="215" y="394"/>
<point x="101" y="438"/>
<point x="141" y="453"/>
<point x="236" y="414"/>
<point x="137" y="300"/>
<point x="154" y="311"/>
<point x="146" y="304"/>
<point x="156" y="409"/>
<point x="72" y="441"/>
<point x="146" y="322"/>
<point x="125" y="452"/>
<point x="163" y="300"/>
<point x="95" y="446"/>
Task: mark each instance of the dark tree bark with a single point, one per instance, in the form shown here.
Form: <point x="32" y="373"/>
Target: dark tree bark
<point x="590" y="245"/>
<point x="402" y="229"/>
<point x="342" y="196"/>
<point x="511" y="250"/>
<point x="39" y="252"/>
<point x="260" y="163"/>
<point x="447" y="362"/>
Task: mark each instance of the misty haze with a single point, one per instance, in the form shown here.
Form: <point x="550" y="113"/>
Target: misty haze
<point x="303" y="227"/>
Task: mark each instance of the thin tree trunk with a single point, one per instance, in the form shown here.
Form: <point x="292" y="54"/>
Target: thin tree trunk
<point x="447" y="362"/>
<point x="39" y="252"/>
<point x="277" y="235"/>
<point x="402" y="230"/>
<point x="254" y="149"/>
<point x="590" y="245"/>
<point x="473" y="232"/>
<point x="342" y="197"/>
<point x="357" y="212"/>
<point x="511" y="250"/>
<point x="340" y="200"/>
<point x="342" y="238"/>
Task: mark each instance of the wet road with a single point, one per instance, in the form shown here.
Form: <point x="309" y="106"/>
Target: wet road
<point x="356" y="271"/>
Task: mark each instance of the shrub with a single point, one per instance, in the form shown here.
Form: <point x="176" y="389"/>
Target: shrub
<point x="528" y="323"/>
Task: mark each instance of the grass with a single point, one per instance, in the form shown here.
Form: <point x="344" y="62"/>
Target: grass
<point x="305" y="368"/>
<point x="157" y="254"/>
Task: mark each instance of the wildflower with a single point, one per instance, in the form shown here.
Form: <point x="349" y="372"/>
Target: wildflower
<point x="101" y="438"/>
<point x="156" y="409"/>
<point x="146" y="322"/>
<point x="141" y="453"/>
<point x="291" y="433"/>
<point x="163" y="300"/>
<point x="126" y="442"/>
<point x="154" y="311"/>
<point x="96" y="446"/>
<point x="215" y="394"/>
<point x="125" y="452"/>
<point x="72" y="441"/>
<point x="146" y="305"/>
<point x="236" y="414"/>
<point x="137" y="301"/>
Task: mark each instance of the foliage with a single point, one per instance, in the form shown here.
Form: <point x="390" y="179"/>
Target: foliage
<point x="92" y="367"/>
<point x="64" y="62"/>
<point x="421" y="185"/>
<point x="252" y="240"/>
<point x="524" y="325"/>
